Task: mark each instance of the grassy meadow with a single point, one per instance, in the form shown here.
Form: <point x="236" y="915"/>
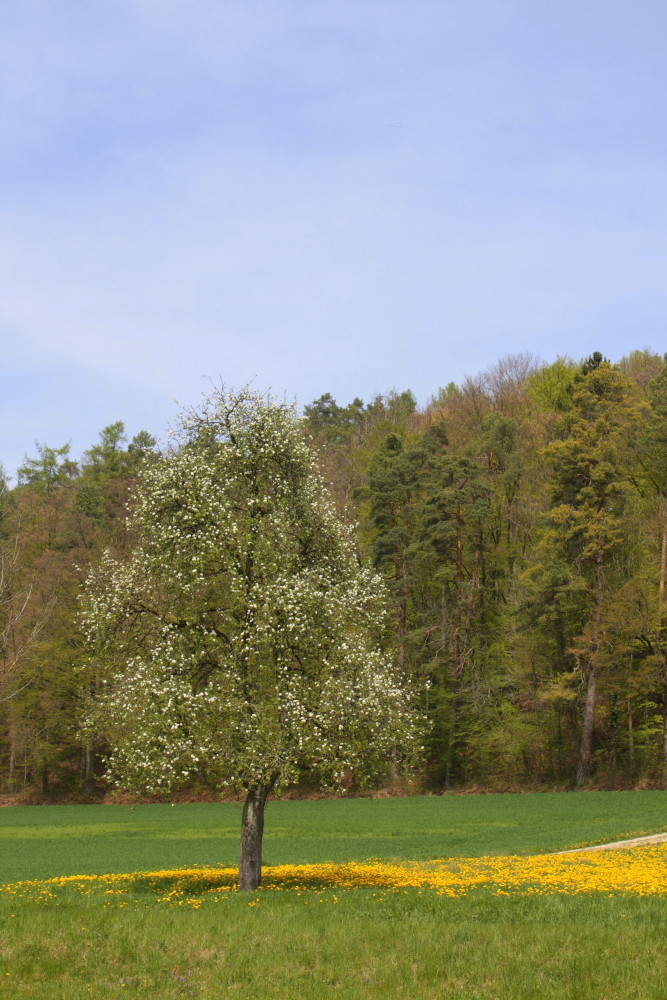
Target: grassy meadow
<point x="527" y="929"/>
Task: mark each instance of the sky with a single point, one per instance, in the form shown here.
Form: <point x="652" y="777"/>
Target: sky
<point x="344" y="196"/>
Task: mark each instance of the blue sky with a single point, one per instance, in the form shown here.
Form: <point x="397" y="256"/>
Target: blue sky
<point x="343" y="197"/>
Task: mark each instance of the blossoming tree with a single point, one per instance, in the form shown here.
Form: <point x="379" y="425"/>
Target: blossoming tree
<point x="241" y="636"/>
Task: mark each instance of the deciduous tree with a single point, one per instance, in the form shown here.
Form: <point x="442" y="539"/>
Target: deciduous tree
<point x="242" y="636"/>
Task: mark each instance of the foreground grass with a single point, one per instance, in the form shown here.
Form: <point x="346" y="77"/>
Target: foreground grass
<point x="41" y="841"/>
<point x="275" y="946"/>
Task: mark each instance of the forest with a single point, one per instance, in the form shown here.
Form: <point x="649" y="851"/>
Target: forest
<point x="519" y="520"/>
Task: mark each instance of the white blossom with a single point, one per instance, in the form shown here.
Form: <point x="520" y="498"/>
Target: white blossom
<point x="240" y="638"/>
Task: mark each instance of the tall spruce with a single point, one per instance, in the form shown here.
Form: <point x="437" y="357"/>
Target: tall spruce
<point x="591" y="463"/>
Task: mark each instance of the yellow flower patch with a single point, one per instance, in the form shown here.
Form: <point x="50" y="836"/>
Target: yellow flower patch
<point x="641" y="871"/>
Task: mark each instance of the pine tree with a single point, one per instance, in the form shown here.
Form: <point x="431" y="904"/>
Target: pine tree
<point x="591" y="465"/>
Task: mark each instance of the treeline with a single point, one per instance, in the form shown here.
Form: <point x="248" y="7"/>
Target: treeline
<point x="520" y="521"/>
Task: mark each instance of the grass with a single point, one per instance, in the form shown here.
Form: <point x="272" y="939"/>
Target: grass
<point x="280" y="946"/>
<point x="367" y="942"/>
<point x="42" y="841"/>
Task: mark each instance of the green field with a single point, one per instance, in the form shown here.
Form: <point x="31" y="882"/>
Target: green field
<point x="353" y="944"/>
<point x="41" y="841"/>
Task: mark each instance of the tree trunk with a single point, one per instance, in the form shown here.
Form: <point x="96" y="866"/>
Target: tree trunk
<point x="88" y="772"/>
<point x="664" y="725"/>
<point x="252" y="831"/>
<point x="12" y="759"/>
<point x="613" y="731"/>
<point x="451" y="739"/>
<point x="586" y="747"/>
<point x="659" y="644"/>
<point x="458" y="659"/>
<point x="663" y="561"/>
<point x="402" y="611"/>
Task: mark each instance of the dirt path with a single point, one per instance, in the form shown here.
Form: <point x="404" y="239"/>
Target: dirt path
<point x="653" y="838"/>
